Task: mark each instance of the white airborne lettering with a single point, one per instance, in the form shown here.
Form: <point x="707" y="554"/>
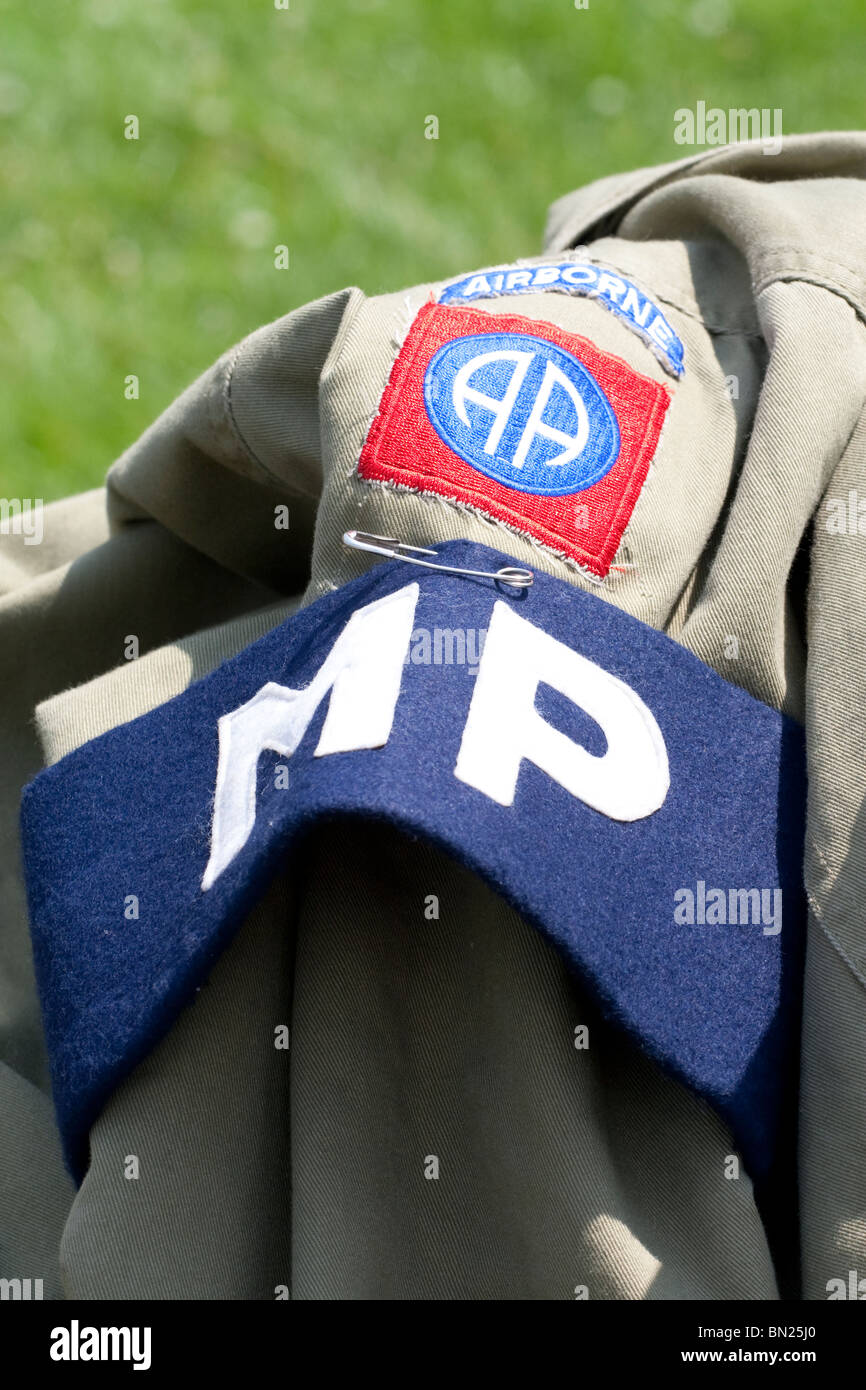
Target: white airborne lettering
<point x="363" y="673"/>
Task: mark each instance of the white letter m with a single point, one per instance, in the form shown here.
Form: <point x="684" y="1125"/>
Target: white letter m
<point x="362" y="671"/>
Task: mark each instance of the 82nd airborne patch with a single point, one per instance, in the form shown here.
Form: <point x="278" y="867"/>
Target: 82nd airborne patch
<point x="521" y="421"/>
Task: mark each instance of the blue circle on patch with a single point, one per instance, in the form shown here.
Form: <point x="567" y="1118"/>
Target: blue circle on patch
<point x="522" y="411"/>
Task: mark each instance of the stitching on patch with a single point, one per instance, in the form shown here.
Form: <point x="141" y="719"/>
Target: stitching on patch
<point x="460" y="505"/>
<point x="477" y="506"/>
<point x="397" y="344"/>
<point x="651" y="419"/>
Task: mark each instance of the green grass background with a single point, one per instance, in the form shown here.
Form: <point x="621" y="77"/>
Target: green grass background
<point x="305" y="126"/>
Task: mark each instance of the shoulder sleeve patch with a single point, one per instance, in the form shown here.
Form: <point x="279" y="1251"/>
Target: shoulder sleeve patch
<point x="525" y="423"/>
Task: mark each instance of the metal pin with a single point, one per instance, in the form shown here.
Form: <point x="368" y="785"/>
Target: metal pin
<point x="396" y="550"/>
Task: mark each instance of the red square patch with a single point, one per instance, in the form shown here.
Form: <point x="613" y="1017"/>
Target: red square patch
<point x="522" y="421"/>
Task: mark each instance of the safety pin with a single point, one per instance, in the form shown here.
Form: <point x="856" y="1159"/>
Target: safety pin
<point x="396" y="550"/>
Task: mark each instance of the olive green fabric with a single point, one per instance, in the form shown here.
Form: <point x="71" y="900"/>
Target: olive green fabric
<point x="452" y="1039"/>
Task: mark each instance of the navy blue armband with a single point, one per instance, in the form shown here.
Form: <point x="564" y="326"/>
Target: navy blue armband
<point x="641" y="812"/>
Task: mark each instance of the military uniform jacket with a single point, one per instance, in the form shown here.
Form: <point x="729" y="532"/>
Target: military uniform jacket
<point x="379" y="931"/>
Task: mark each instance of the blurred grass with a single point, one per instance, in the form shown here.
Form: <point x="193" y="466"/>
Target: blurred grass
<point x="305" y="126"/>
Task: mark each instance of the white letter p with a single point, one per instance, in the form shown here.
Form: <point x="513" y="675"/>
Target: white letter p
<point x="629" y="781"/>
